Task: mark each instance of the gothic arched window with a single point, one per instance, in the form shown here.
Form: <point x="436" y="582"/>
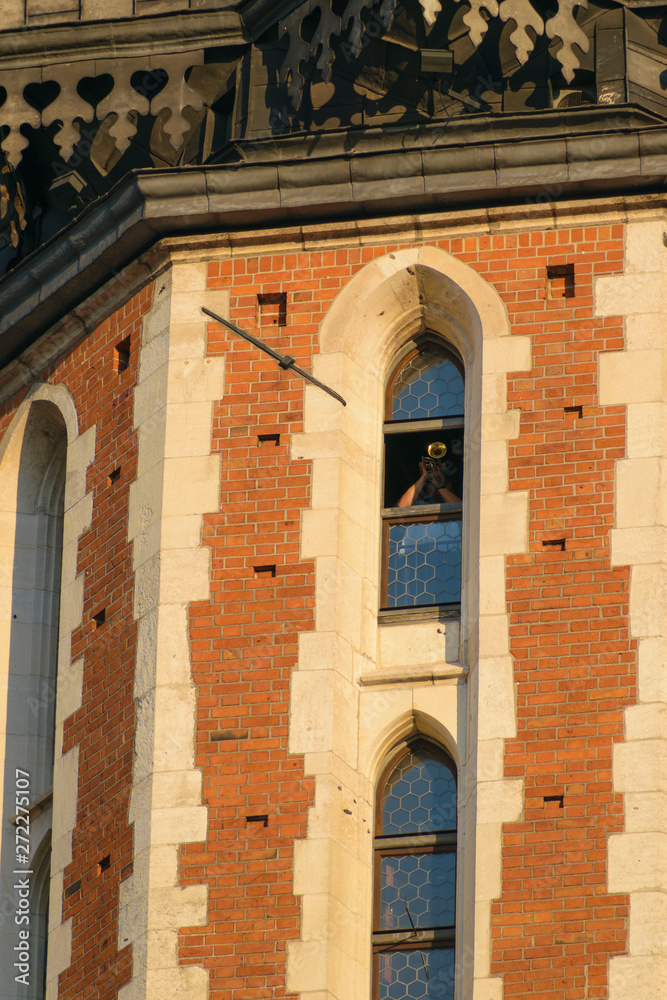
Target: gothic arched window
<point x="423" y="480"/>
<point x="415" y="877"/>
<point x="35" y="461"/>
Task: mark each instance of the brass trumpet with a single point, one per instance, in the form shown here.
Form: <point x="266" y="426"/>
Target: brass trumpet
<point x="436" y="452"/>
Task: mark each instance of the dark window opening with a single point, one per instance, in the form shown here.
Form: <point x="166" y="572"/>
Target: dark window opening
<point x="423" y="481"/>
<point x="404" y="450"/>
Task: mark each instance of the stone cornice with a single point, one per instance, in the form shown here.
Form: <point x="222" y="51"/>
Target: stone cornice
<point x="49" y="45"/>
<point x="465" y="220"/>
<point x="258" y="15"/>
<point x="232" y="23"/>
<point x="371" y="174"/>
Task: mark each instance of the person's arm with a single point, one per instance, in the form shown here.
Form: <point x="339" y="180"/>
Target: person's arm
<point x="412" y="493"/>
<point x="442" y="485"/>
<point x="448" y="496"/>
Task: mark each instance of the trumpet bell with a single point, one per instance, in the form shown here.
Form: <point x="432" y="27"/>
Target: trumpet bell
<point x="437" y="450"/>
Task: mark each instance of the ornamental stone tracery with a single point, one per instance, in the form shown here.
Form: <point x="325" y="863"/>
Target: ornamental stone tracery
<point x="72" y="125"/>
<point x="136" y="88"/>
<point x="526" y="18"/>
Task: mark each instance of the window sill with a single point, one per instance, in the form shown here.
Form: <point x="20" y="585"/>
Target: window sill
<point x="385" y="939"/>
<point x="422" y="509"/>
<point x="430" y="613"/>
<point x="414" y="675"/>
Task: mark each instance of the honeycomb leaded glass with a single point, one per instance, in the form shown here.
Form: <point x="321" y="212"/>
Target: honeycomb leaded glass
<point x="415" y="849"/>
<point x="419" y="796"/>
<point x="429" y="385"/>
<point x="424" y="563"/>
<point x="417" y="890"/>
<point x="419" y="974"/>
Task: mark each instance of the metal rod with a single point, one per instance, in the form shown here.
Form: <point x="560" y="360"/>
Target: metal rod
<point x="283" y="361"/>
<point x="414" y="931"/>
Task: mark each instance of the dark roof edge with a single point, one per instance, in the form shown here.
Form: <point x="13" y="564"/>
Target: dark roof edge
<point x="78" y="41"/>
<point x="258" y="15"/>
<point x="85" y="40"/>
<point x="151" y="204"/>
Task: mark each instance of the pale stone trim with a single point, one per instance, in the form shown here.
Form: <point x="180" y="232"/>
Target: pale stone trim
<point x="418" y="647"/>
<point x="178" y="482"/>
<point x="78" y="518"/>
<point x="636" y="377"/>
<point x="362" y="688"/>
<point x="418" y="675"/>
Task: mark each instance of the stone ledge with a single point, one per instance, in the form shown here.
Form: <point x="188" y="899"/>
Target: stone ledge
<point x="81" y="40"/>
<point x="415" y="675"/>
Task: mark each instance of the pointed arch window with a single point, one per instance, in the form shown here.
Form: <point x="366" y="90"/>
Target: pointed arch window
<point x="35" y="457"/>
<point x="415" y="877"/>
<point x="423" y="482"/>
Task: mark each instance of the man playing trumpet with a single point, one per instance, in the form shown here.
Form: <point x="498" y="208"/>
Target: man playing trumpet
<point x="431" y="487"/>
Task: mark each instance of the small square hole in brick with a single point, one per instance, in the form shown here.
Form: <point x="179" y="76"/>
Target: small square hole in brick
<point x="122" y="356"/>
<point x="74" y="887"/>
<point x="573" y="412"/>
<point x="560" y="281"/>
<point x="554" y="545"/>
<point x="272" y="309"/>
<point x="268" y="440"/>
<point x="113" y="477"/>
<point x="263" y="819"/>
<point x="104" y="864"/>
<point x="100" y="617"/>
<point x="553" y="803"/>
<point x="264" y="571"/>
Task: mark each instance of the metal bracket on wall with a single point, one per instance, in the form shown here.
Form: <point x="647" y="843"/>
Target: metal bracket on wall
<point x="284" y="361"/>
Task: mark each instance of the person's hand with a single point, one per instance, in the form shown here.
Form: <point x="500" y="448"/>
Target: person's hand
<point x="438" y="478"/>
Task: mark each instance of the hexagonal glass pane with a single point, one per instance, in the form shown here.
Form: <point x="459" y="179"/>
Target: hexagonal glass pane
<point x="419" y="796"/>
<point x="417" y="890"/>
<point x="422" y="974"/>
<point x="424" y="564"/>
<point x="429" y="385"/>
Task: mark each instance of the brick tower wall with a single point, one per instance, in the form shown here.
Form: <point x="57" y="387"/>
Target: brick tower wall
<point x="554" y="926"/>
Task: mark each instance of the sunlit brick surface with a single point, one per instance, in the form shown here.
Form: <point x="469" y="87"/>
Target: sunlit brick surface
<point x="103" y="728"/>
<point x="555" y="926"/>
